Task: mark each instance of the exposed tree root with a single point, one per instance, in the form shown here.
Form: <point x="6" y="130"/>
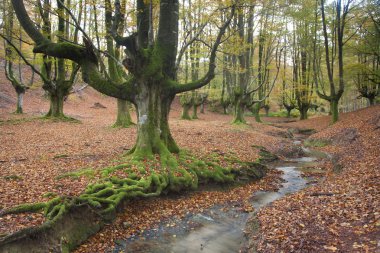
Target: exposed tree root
<point x="172" y="173"/>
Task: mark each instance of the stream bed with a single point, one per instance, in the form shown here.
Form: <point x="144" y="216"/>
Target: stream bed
<point x="219" y="229"/>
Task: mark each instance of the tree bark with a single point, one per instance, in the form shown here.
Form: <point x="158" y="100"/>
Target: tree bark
<point x="56" y="106"/>
<point x="371" y="101"/>
<point x="288" y="112"/>
<point x="202" y="110"/>
<point x="334" y="110"/>
<point x="151" y="84"/>
<point x="195" y="111"/>
<point x="238" y="109"/>
<point x="256" y="112"/>
<point x="123" y="116"/>
<point x="303" y="112"/>
<point x="20" y="102"/>
<point x="153" y="135"/>
<point x="185" y="111"/>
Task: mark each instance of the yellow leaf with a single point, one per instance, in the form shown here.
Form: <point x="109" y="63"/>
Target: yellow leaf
<point x="332" y="248"/>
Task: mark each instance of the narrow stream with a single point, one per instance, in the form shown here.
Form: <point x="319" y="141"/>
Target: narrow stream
<point x="218" y="229"/>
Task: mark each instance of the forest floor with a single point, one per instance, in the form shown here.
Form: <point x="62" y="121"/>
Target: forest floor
<point x="36" y="153"/>
<point x="342" y="212"/>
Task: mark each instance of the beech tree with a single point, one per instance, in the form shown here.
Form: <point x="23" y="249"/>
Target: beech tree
<point x="10" y="56"/>
<point x="304" y="25"/>
<point x="288" y="96"/>
<point x="366" y="72"/>
<point x="151" y="63"/>
<point x="115" y="72"/>
<point x="333" y="45"/>
<point x="55" y="70"/>
<point x="269" y="57"/>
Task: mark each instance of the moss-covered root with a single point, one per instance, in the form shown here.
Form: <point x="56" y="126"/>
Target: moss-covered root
<point x="179" y="173"/>
<point x="71" y="220"/>
<point x="24" y="208"/>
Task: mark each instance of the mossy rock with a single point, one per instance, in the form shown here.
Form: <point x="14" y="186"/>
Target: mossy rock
<point x="304" y="131"/>
<point x="250" y="171"/>
<point x="265" y="155"/>
<point x="316" y="143"/>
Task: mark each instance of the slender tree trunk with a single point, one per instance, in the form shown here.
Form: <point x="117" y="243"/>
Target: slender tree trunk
<point x="123" y="116"/>
<point x="239" y="111"/>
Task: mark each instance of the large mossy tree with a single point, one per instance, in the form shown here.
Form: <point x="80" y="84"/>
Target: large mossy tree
<point x="151" y="66"/>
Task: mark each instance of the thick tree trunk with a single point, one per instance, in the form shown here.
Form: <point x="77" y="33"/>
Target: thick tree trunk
<point x="371" y="101"/>
<point x="303" y="112"/>
<point x="225" y="109"/>
<point x="123" y="116"/>
<point x="334" y="110"/>
<point x="195" y="111"/>
<point x="202" y="108"/>
<point x="185" y="111"/>
<point x="289" y="110"/>
<point x="266" y="111"/>
<point x="238" y="112"/>
<point x="20" y="102"/>
<point x="56" y="106"/>
<point x="153" y="133"/>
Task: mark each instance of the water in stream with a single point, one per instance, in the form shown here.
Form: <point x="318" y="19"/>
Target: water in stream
<point x="218" y="229"/>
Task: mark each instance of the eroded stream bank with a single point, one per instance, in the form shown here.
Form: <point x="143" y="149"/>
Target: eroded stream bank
<point x="221" y="228"/>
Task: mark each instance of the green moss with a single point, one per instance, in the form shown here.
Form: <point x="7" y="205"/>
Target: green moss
<point x="316" y="143"/>
<point x="13" y="177"/>
<point x="87" y="172"/>
<point x="133" y="176"/>
<point x="123" y="118"/>
<point x="265" y="155"/>
<point x="32" y="208"/>
<point x="60" y="118"/>
<point x="178" y="172"/>
<point x="61" y="156"/>
<point x="18" y="121"/>
<point x="141" y="170"/>
<point x="106" y="171"/>
<point x="51" y="204"/>
<point x="49" y="195"/>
